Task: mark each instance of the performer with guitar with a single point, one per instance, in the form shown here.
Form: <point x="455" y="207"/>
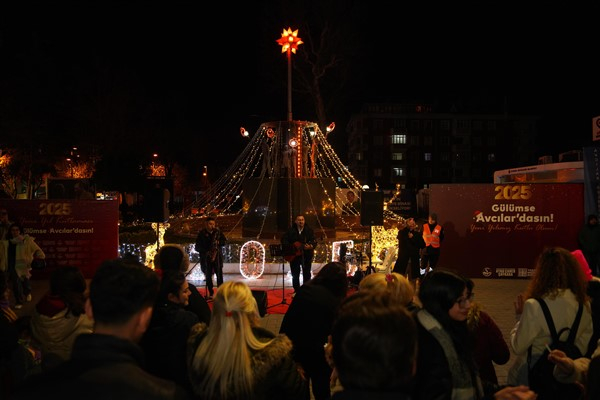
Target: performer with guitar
<point x="299" y="247"/>
<point x="208" y="243"/>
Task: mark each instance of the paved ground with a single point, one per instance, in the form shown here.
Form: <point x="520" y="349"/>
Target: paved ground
<point x="496" y="296"/>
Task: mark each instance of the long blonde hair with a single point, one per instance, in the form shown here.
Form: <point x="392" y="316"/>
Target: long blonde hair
<point x="223" y="358"/>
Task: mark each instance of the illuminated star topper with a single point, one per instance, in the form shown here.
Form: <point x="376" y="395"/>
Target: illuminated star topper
<point x="289" y="40"/>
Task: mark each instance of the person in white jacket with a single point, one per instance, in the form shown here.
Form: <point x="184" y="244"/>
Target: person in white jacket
<point x="16" y="255"/>
<point x="560" y="282"/>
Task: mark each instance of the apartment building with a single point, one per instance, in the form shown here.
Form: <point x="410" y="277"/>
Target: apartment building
<point x="416" y="144"/>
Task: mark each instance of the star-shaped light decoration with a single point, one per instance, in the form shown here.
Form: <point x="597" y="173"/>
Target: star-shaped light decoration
<point x="289" y="40"/>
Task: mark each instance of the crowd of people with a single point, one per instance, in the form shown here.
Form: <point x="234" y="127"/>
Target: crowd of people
<point x="140" y="333"/>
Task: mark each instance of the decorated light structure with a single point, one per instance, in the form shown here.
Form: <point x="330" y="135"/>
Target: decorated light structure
<point x="289" y="42"/>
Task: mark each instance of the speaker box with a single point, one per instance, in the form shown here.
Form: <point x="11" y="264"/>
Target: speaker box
<point x="371" y="208"/>
<point x="156" y="205"/>
<point x="261" y="299"/>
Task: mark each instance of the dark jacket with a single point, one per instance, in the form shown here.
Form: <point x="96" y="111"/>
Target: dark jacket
<point x="101" y="367"/>
<point x="276" y="374"/>
<point x="433" y="380"/>
<point x="198" y="305"/>
<point x="205" y="240"/>
<point x="164" y="342"/>
<point x="408" y="246"/>
<point x="308" y="322"/>
<point x="292" y="236"/>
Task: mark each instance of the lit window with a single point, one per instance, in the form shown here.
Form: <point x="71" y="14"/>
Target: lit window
<point x="427" y="156"/>
<point x="398" y="139"/>
<point x="397" y="171"/>
<point x="397" y="156"/>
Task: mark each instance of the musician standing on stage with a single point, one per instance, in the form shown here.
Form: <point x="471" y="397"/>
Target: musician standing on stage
<point x="209" y="242"/>
<point x="299" y="247"/>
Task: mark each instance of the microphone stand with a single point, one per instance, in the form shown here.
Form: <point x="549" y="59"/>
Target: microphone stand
<point x="277" y="251"/>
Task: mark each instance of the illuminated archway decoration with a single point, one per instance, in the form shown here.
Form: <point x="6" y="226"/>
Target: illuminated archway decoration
<point x="252" y="260"/>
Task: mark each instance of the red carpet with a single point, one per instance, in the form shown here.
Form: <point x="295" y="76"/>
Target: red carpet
<point x="275" y="298"/>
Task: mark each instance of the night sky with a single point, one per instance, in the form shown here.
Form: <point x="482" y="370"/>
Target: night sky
<point x="187" y="75"/>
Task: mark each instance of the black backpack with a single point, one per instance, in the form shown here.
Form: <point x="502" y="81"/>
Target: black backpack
<point x="541" y="377"/>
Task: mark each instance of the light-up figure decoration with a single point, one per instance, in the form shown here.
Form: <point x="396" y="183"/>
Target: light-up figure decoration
<point x="252" y="260"/>
<point x="152" y="249"/>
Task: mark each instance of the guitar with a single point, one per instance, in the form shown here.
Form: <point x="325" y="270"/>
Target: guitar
<point x="297" y="248"/>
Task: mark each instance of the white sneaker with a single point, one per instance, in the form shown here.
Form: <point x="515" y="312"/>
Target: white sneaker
<point x="29" y="297"/>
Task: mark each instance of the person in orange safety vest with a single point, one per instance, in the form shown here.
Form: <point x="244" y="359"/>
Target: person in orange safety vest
<point x="433" y="235"/>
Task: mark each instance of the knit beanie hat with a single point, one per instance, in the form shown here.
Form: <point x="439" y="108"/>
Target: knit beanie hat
<point x="583" y="264"/>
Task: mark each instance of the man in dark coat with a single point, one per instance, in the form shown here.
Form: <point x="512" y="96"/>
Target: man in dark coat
<point x="410" y="243"/>
<point x="209" y="242"/>
<point x="299" y="247"/>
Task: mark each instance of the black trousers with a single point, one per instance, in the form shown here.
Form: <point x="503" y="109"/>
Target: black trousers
<point x="430" y="257"/>
<point x="211" y="268"/>
<point x="304" y="264"/>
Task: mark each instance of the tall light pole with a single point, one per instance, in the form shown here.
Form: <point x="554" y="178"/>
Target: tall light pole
<point x="289" y="42"/>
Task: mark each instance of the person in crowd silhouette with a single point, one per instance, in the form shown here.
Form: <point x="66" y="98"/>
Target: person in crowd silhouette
<point x="559" y="280"/>
<point x="164" y="342"/>
<point x="371" y="360"/>
<point x="316" y="301"/>
<point x="108" y="362"/>
<point x="490" y="346"/>
<point x="588" y="239"/>
<point x="59" y="317"/>
<point x="235" y="358"/>
<point x="18" y="359"/>
<point x="16" y="255"/>
<point x="173" y="257"/>
<point x="5" y="224"/>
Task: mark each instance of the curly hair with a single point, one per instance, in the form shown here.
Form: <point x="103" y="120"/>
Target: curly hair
<point x="557" y="269"/>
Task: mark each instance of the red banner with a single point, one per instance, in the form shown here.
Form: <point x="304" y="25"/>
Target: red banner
<point x="497" y="231"/>
<point x="80" y="233"/>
